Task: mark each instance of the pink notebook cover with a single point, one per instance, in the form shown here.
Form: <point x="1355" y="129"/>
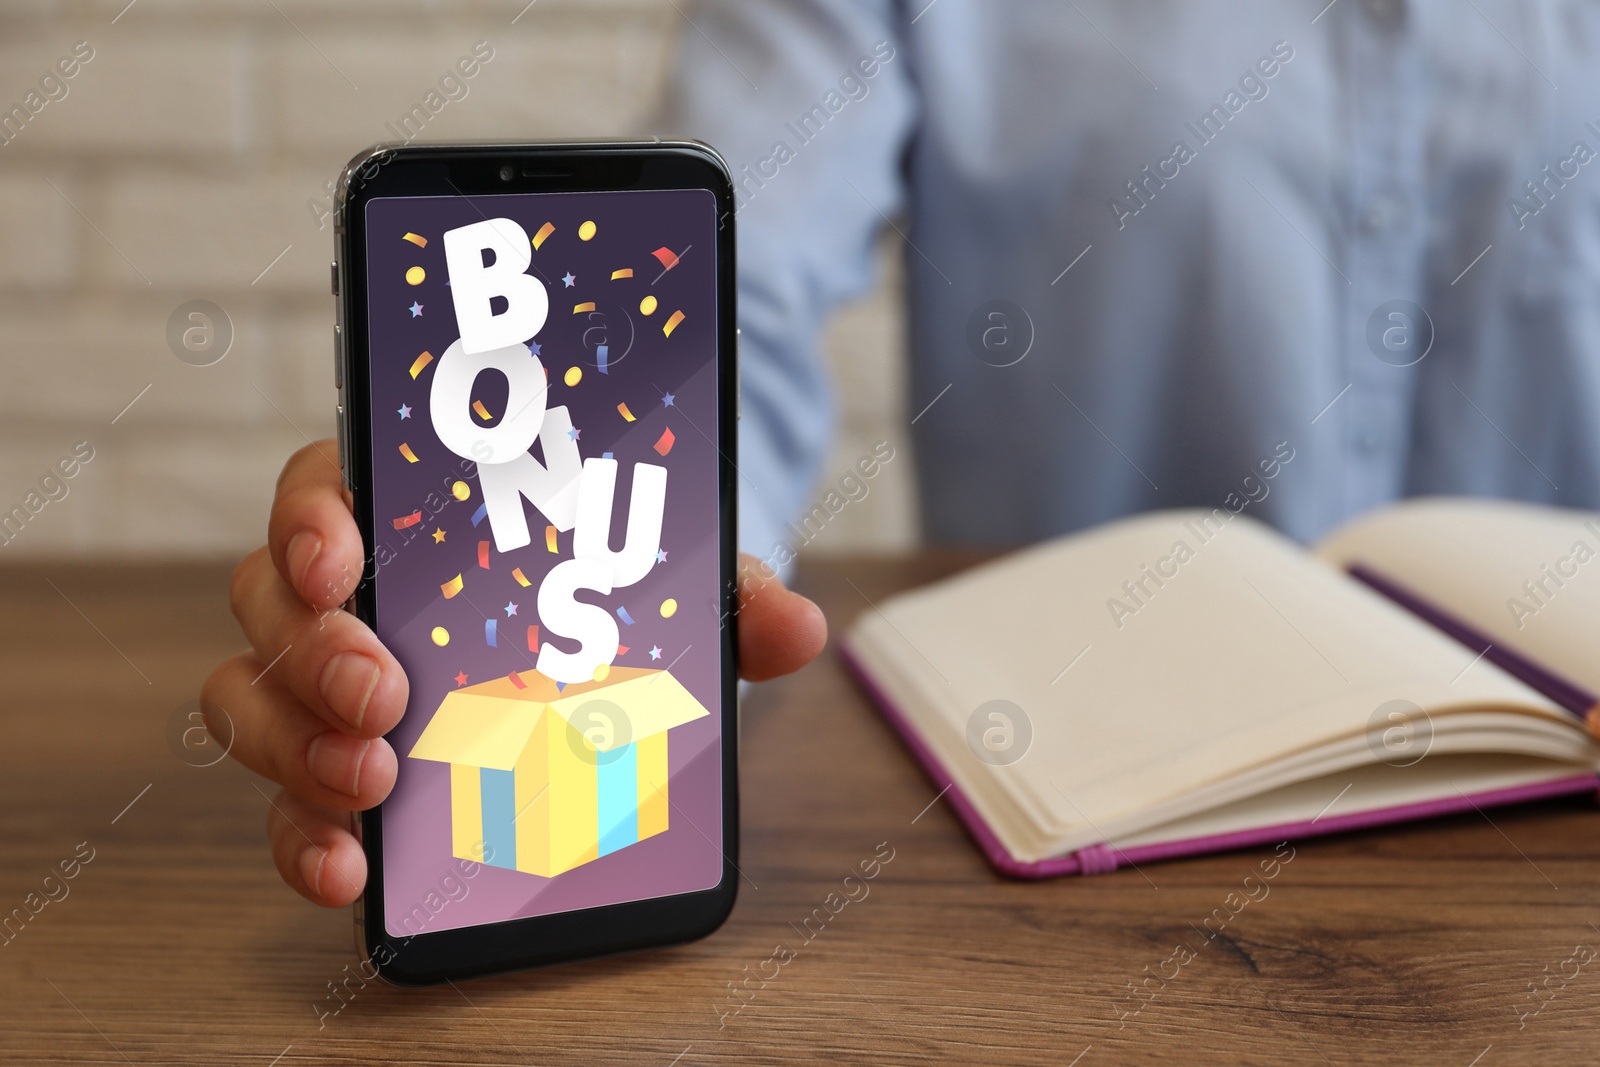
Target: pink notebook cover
<point x="1103" y="858"/>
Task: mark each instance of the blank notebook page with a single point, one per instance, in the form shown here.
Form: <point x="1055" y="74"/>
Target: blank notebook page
<point x="1250" y="651"/>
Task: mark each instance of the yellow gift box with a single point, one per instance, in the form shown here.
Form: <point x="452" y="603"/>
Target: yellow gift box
<point x="544" y="779"/>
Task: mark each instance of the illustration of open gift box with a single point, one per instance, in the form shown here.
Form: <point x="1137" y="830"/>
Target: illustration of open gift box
<point x="543" y="779"/>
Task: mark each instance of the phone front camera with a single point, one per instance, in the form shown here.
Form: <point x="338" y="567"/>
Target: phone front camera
<point x="506" y="173"/>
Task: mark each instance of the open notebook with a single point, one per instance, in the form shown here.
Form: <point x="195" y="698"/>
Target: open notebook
<point x="1187" y="681"/>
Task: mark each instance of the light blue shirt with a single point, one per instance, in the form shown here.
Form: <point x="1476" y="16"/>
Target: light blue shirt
<point x="1200" y="213"/>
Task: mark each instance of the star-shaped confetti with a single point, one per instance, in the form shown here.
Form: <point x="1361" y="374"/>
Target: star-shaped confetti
<point x="661" y="555"/>
<point x="568" y="281"/>
<point x="511" y="609"/>
<point x="655" y="651"/>
<point x="666" y="401"/>
<point x="575" y="434"/>
<point x="416" y="310"/>
<point x="461" y="679"/>
<point x="438" y="536"/>
<point x="405" y="411"/>
<point x="533" y="347"/>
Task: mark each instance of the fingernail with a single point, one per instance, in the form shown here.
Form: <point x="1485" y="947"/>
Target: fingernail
<point x="347" y="683"/>
<point x="311" y="863"/>
<point x="302" y="551"/>
<point x="332" y="763"/>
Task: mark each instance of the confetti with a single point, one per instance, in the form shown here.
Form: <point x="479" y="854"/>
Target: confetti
<point x="622" y="409"/>
<point x="550" y="538"/>
<point x="516" y="680"/>
<point x="452" y="587"/>
<point x="672" y="323"/>
<point x="622" y="613"/>
<point x="647" y="306"/>
<point x="544" y="231"/>
<point x="461" y="679"/>
<point x="419" y="241"/>
<point x="622" y="650"/>
<point x="407" y="521"/>
<point x="483" y="412"/>
<point x="419" y="363"/>
<point x="667" y="256"/>
<point x="586" y="231"/>
<point x="416" y="276"/>
<point x="560" y="686"/>
<point x="573" y="376"/>
<point x="601" y="672"/>
<point x="669" y="608"/>
<point x="460" y="490"/>
<point x="441" y="636"/>
<point x="664" y="444"/>
<point x="405" y="450"/>
<point x="533" y="639"/>
<point x="522" y="579"/>
<point x="415" y="309"/>
<point x="489" y="633"/>
<point x="478" y="516"/>
<point x="587" y="305"/>
<point x="483" y="554"/>
<point x="602" y="353"/>
<point x="625" y="272"/>
<point x="438" y="536"/>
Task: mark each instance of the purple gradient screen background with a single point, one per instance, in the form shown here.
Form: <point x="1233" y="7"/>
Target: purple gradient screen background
<point x="644" y="367"/>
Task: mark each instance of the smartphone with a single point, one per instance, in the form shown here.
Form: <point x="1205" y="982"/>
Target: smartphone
<point x="536" y="364"/>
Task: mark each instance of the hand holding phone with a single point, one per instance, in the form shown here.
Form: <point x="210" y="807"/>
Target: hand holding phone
<point x="286" y="593"/>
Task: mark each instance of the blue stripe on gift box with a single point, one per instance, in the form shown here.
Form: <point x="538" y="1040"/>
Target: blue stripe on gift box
<point x="617" y="775"/>
<point x="499" y="817"/>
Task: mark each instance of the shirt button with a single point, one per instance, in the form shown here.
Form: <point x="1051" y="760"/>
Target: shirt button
<point x="1383" y="212"/>
<point x="1386" y="13"/>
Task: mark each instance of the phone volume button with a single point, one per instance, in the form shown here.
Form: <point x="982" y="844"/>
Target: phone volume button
<point x="338" y="357"/>
<point x="338" y="418"/>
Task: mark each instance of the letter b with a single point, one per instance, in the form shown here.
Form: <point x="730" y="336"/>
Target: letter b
<point x="474" y="285"/>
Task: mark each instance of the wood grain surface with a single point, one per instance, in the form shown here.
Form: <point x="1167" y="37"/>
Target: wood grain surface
<point x="1463" y="941"/>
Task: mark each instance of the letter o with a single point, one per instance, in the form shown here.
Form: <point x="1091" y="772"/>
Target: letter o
<point x="451" y="398"/>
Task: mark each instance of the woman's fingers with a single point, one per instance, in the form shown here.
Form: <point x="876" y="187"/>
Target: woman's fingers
<point x="330" y="660"/>
<point x="779" y="631"/>
<point x="312" y="535"/>
<point x="315" y="852"/>
<point x="274" y="734"/>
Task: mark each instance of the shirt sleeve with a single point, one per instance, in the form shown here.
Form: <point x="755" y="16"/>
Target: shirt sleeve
<point x="811" y="104"/>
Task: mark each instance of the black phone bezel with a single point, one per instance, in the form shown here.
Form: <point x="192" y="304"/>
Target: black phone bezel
<point x="475" y="170"/>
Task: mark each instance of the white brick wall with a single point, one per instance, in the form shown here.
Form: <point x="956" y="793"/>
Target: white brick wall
<point x="179" y="165"/>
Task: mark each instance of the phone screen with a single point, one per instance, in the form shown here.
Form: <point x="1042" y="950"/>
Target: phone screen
<point x="544" y="419"/>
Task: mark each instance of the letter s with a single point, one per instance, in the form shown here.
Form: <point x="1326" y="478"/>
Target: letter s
<point x="589" y="624"/>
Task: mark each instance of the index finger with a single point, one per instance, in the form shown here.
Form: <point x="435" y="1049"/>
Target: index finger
<point x="312" y="535"/>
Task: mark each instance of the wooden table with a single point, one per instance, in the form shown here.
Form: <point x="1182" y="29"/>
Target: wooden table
<point x="177" y="944"/>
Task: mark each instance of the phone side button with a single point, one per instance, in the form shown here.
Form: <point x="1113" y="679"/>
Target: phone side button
<point x="338" y="357"/>
<point x="344" y="463"/>
<point x="333" y="277"/>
